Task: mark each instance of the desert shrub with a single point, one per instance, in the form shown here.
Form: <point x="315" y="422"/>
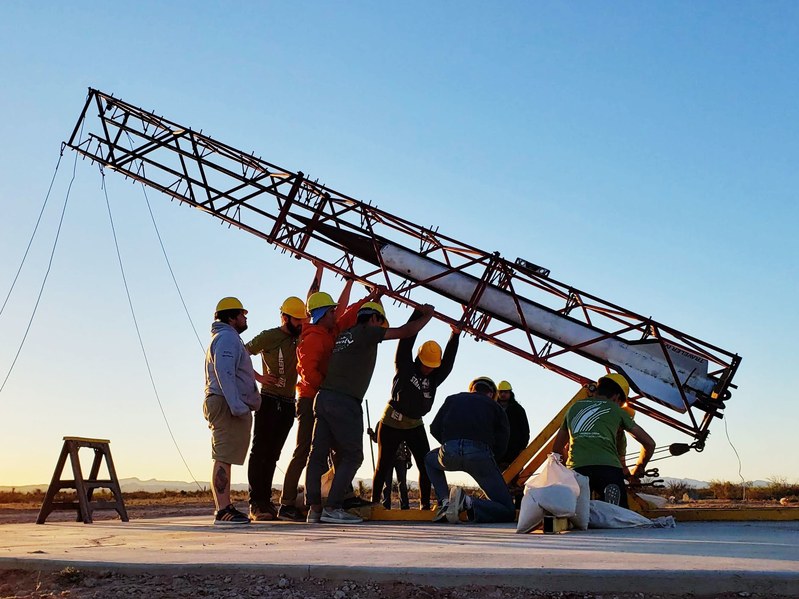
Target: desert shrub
<point x="780" y="487"/>
<point x="706" y="493"/>
<point x="14" y="496"/>
<point x="777" y="488"/>
<point x="678" y="488"/>
<point x="728" y="490"/>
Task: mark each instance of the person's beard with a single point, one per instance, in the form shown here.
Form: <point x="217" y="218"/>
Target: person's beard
<point x="241" y="328"/>
<point x="293" y="331"/>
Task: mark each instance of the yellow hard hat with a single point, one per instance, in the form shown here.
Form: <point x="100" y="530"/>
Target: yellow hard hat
<point x="620" y="381"/>
<point x="430" y="354"/>
<point x="294" y="307"/>
<point x="485" y="381"/>
<point x="374" y="307"/>
<point x="504" y="386"/>
<point x="320" y="299"/>
<point x="229" y="303"/>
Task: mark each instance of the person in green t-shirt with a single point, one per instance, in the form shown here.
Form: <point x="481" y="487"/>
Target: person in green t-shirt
<point x="590" y="430"/>
<point x="273" y="421"/>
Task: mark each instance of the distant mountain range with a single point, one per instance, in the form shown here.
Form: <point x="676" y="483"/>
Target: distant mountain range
<point x="131" y="485"/>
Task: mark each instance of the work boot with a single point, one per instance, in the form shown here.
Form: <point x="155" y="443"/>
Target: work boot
<point x="263" y="513"/>
<point x="290" y="513"/>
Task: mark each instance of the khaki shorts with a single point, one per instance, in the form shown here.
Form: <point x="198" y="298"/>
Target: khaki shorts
<point x="230" y="435"/>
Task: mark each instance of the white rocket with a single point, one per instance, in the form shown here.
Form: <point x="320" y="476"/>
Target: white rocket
<point x="642" y="362"/>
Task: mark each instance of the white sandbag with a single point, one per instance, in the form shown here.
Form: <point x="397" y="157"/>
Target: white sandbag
<point x="607" y="515"/>
<point x="654" y="501"/>
<point x="554" y="488"/>
<point x="582" y="514"/>
<point x="554" y="473"/>
<point x="530" y="514"/>
<point x="559" y="500"/>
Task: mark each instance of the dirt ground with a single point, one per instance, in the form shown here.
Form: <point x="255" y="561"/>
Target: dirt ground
<point x="77" y="584"/>
<point x="164" y="507"/>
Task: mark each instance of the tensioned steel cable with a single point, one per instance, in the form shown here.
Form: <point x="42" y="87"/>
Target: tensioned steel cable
<point x="174" y="280"/>
<point x="171" y="272"/>
<point x="47" y="272"/>
<point x="166" y="258"/>
<point x="138" y="334"/>
<point x="35" y="228"/>
<point x="743" y="482"/>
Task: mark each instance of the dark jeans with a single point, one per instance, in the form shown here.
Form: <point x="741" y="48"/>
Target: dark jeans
<point x="477" y="460"/>
<point x="305" y="420"/>
<point x="272" y="425"/>
<point x="402" y="482"/>
<point x="600" y="477"/>
<point x="339" y="426"/>
<point x="388" y="441"/>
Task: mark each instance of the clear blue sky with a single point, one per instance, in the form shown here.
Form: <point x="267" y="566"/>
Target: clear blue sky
<point x="644" y="153"/>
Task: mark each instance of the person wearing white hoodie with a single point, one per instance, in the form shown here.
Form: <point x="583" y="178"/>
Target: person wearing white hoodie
<point x="231" y="395"/>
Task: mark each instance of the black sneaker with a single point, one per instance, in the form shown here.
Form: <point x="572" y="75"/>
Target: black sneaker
<point x="230" y="516"/>
<point x="612" y="494"/>
<point x="263" y="513"/>
<point x="352" y="503"/>
<point x="441" y="512"/>
<point x="290" y="514"/>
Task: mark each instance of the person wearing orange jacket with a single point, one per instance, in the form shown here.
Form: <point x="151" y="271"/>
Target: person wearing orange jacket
<point x="328" y="319"/>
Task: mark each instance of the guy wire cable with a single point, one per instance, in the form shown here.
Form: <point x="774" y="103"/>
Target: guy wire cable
<point x="743" y="482"/>
<point x="35" y="228"/>
<point x="47" y="272"/>
<point x="138" y="332"/>
<point x="168" y="263"/>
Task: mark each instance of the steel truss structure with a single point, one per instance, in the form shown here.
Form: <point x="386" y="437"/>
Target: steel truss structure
<point x="307" y="219"/>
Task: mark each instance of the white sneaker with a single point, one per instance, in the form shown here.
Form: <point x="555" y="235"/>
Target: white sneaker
<point x="457" y="499"/>
<point x="339" y="516"/>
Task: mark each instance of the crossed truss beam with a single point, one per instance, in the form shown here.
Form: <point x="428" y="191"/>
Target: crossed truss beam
<point x="296" y="213"/>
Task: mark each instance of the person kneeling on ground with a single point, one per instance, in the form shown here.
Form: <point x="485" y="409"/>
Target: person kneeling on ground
<point x="472" y="429"/>
<point x="590" y="429"/>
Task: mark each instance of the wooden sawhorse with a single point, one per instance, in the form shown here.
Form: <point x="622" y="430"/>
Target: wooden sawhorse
<point x="84" y="487"/>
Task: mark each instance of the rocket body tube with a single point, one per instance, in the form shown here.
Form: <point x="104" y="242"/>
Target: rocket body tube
<point x="643" y="363"/>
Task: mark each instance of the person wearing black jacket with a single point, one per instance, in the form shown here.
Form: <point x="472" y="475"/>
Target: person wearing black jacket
<point x="412" y="394"/>
<point x="519" y="427"/>
<point x="472" y="428"/>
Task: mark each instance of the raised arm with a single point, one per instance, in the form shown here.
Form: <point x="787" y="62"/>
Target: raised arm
<point x="448" y="359"/>
<point x="404" y="355"/>
<point x="412" y="327"/>
<point x="344" y="298"/>
<point x="317" y="280"/>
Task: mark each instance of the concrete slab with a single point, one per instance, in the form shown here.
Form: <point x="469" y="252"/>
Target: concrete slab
<point x="755" y="557"/>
